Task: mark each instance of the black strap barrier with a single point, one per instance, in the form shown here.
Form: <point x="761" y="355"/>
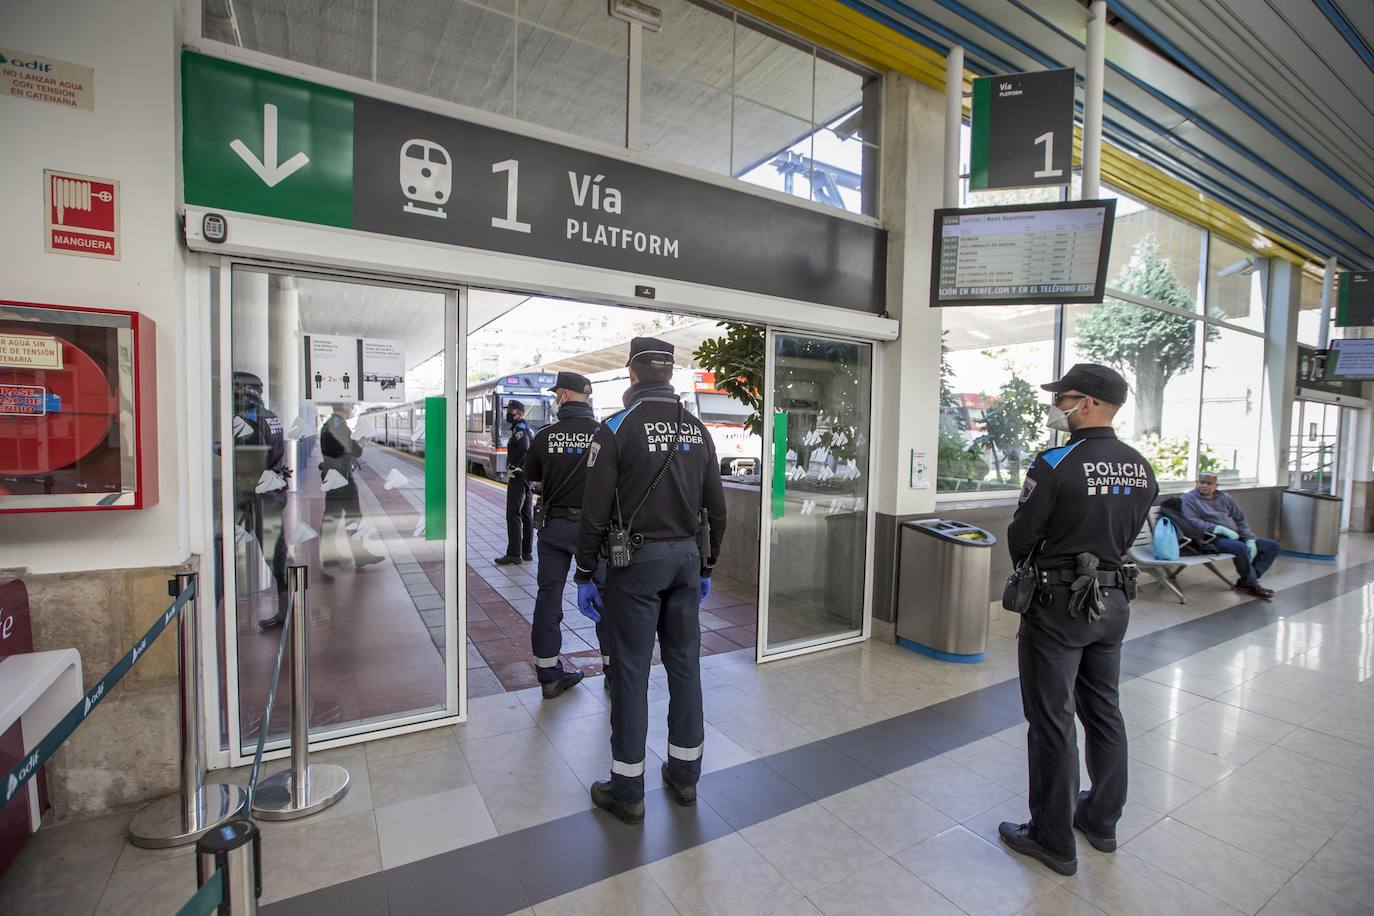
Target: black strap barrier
<point x="265" y="726"/>
<point x="53" y="740"/>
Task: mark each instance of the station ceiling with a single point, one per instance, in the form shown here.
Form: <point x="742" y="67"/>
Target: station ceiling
<point x="1267" y="106"/>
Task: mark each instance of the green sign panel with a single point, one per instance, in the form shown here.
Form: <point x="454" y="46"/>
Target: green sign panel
<point x="1022" y="133"/>
<point x="1355" y="299"/>
<point x="261" y="143"/>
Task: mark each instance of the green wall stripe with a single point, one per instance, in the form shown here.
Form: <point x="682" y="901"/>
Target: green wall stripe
<point x="436" y="464"/>
<point x="978" y="144"/>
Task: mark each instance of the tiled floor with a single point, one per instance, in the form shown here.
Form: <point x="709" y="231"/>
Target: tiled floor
<point x="861" y="780"/>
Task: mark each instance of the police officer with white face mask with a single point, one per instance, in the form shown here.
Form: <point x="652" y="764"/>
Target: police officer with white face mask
<point x="1081" y="508"/>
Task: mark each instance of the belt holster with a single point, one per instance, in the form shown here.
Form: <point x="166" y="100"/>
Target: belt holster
<point x="541" y="514"/>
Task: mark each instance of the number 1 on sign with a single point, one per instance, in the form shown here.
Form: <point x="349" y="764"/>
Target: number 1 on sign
<point x="1047" y="171"/>
<point x="512" y="169"/>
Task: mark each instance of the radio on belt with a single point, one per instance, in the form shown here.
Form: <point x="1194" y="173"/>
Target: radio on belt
<point x="78" y="419"/>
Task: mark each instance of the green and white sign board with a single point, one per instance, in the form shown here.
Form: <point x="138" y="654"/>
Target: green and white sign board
<point x="1355" y="299"/>
<point x="1022" y="133"/>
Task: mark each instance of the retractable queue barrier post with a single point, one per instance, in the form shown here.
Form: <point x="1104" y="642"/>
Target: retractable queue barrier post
<point x="234" y="851"/>
<point x="304" y="788"/>
<point x="182" y="818"/>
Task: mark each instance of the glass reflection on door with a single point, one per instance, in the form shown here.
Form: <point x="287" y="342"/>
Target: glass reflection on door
<point x="333" y="386"/>
<point x="817" y="552"/>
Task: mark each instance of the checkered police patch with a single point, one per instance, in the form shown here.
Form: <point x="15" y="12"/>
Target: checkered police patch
<point x="1026" y="490"/>
<point x="592" y="453"/>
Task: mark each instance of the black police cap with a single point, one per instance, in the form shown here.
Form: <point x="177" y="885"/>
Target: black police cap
<point x="1101" y="382"/>
<point x="573" y="382"/>
<point x="652" y="352"/>
<point x="247" y="379"/>
<point x="515" y="405"/>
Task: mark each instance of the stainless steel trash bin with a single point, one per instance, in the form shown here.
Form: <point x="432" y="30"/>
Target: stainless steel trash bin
<point x="943" y="600"/>
<point x="1310" y="524"/>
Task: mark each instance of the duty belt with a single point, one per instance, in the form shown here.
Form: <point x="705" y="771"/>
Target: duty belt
<point x="1107" y="578"/>
<point x="568" y="513"/>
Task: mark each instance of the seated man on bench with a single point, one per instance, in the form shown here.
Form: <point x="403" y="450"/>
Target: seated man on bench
<point x="1216" y="512"/>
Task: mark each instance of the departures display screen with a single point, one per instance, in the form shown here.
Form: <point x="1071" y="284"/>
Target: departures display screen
<point x="1350" y="361"/>
<point x="1028" y="254"/>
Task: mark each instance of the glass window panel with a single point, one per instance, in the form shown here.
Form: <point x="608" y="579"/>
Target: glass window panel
<point x="332" y="34"/>
<point x="1232" y="397"/>
<point x="450" y="49"/>
<point x="1143" y="231"/>
<point x="776" y="149"/>
<point x="1310" y="304"/>
<point x="1156" y="351"/>
<point x="773" y="73"/>
<point x="992" y="411"/>
<point x="574" y="80"/>
<point x="685" y="115"/>
<point x="1235" y="284"/>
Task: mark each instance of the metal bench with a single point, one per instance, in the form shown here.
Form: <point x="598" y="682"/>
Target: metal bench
<point x="1166" y="572"/>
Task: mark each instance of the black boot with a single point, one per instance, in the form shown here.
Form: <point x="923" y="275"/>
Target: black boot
<point x="683" y="795"/>
<point x="1018" y="837"/>
<point x="1100" y="843"/>
<point x="568" y="679"/>
<point x="508" y="560"/>
<point x="626" y="812"/>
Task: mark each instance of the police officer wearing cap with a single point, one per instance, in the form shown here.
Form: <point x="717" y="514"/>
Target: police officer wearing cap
<point x="260" y="476"/>
<point x="655" y="500"/>
<point x="519" y="500"/>
<point x="1082" y="505"/>
<point x="557" y="462"/>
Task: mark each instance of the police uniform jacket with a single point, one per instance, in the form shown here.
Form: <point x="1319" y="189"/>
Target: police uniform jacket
<point x="558" y="456"/>
<point x="626" y="455"/>
<point x="259" y="442"/>
<point x="518" y="446"/>
<point x="1088" y="496"/>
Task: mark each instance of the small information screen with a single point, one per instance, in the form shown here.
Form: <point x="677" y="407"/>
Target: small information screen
<point x="1029" y="254"/>
<point x="1350" y="361"/>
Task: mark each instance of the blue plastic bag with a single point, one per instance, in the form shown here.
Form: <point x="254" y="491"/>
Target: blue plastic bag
<point x="1166" y="540"/>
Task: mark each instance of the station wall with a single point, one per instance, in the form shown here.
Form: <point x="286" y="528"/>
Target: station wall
<point x="130" y="136"/>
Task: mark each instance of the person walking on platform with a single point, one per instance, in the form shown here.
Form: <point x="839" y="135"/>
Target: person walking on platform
<point x="261" y="474"/>
<point x="339" y="453"/>
<point x="1081" y="507"/>
<point x="654" y="503"/>
<point x="557" y="462"/>
<point x="519" y="500"/>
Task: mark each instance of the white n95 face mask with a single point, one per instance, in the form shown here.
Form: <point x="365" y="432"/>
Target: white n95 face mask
<point x="1059" y="419"/>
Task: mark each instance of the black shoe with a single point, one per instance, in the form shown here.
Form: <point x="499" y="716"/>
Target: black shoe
<point x="368" y="559"/>
<point x="1257" y="591"/>
<point x="271" y="623"/>
<point x="508" y="560"/>
<point x="1017" y="836"/>
<point x="626" y="812"/>
<point x="554" y="688"/>
<point x="1100" y="843"/>
<point x="683" y="795"/>
<point x="527" y="557"/>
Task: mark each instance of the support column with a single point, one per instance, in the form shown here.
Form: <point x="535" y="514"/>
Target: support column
<point x="1281" y="371"/>
<point x="954" y="119"/>
<point x="1093" y="74"/>
<point x="907" y="412"/>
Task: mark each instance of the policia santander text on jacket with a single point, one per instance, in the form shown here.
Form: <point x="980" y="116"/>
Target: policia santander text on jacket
<point x="653" y="491"/>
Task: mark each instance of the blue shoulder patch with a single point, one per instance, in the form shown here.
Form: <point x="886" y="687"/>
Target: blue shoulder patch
<point x="1053" y="456"/>
<point x="613" y="422"/>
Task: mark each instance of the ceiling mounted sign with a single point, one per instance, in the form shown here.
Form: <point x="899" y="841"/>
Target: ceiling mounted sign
<point x="1022" y="132"/>
<point x="257" y="142"/>
<point x="1355" y="299"/>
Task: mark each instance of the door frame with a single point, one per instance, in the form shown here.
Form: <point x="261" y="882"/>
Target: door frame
<point x="771" y="333"/>
<point x="455" y="585"/>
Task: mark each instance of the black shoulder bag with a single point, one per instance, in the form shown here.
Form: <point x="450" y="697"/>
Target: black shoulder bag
<point x="620" y="544"/>
<point x="1019" y="592"/>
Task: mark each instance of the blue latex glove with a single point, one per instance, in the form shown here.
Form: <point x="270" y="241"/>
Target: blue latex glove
<point x="1224" y="532"/>
<point x="589" y="602"/>
<point x="705" y="588"/>
<point x="1252" y="547"/>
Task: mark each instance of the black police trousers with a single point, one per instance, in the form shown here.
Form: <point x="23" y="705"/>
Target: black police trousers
<point x="557" y="545"/>
<point x="659" y="594"/>
<point x="519" y="517"/>
<point x="1069" y="666"/>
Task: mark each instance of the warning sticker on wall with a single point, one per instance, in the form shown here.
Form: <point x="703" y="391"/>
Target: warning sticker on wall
<point x="46" y="80"/>
<point x="82" y="215"/>
<point x="30" y="351"/>
<point x="26" y="401"/>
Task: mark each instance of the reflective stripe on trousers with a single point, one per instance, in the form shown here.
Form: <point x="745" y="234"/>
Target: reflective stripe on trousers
<point x="686" y="753"/>
<point x="629" y="770"/>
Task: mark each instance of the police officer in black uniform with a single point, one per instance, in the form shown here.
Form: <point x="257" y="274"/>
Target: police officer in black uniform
<point x="1081" y="507"/>
<point x="519" y="500"/>
<point x="260" y="474"/>
<point x="651" y="471"/>
<point x="557" y="462"/>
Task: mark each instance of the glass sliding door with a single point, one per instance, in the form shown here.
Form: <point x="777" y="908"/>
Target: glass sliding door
<point x="816" y="507"/>
<point x="337" y="402"/>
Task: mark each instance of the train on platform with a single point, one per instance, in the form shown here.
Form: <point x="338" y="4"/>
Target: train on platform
<point x="402" y="426"/>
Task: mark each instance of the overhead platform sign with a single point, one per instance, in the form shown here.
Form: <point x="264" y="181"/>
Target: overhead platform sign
<point x="1022" y="131"/>
<point x="260" y="143"/>
<point x="1031" y="254"/>
<point x="1355" y="299"/>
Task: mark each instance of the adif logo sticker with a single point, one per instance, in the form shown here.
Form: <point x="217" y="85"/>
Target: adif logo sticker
<point x="13" y="784"/>
<point x="93" y="698"/>
<point x="592" y="453"/>
<point x="139" y="650"/>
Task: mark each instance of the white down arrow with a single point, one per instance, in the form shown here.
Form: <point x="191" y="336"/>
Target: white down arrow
<point x="267" y="168"/>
